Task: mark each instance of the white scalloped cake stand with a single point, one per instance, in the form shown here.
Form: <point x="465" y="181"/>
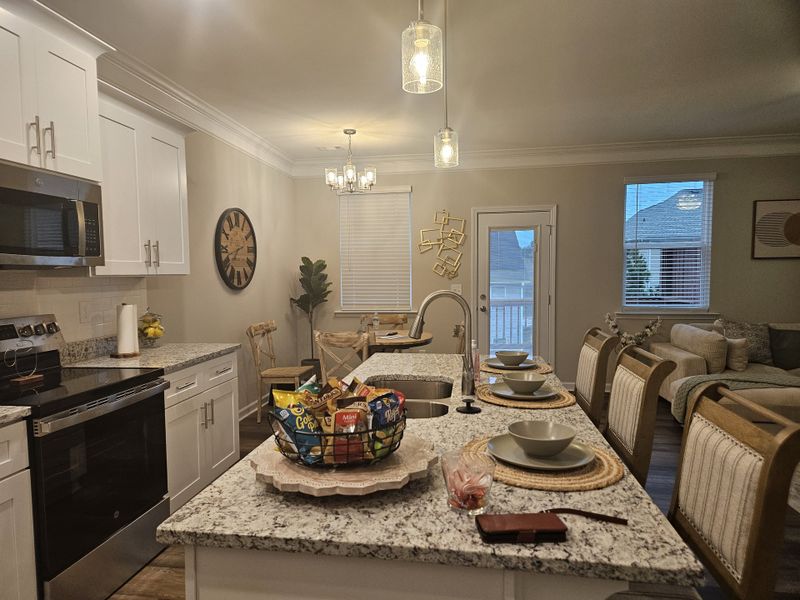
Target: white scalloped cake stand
<point x="410" y="461"/>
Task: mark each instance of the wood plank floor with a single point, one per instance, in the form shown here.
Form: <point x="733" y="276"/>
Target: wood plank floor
<point x="163" y="577"/>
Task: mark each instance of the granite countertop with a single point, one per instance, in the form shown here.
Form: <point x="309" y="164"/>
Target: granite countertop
<point x="170" y="357"/>
<point x="415" y="524"/>
<point x="12" y="414"/>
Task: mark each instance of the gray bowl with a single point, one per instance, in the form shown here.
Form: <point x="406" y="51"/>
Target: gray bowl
<point x="524" y="382"/>
<point x="511" y="358"/>
<point x="541" y="438"/>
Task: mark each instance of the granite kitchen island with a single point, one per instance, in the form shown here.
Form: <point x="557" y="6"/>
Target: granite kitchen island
<point x="245" y="540"/>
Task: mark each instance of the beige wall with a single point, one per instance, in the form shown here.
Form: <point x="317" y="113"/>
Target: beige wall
<point x="84" y="306"/>
<point x="199" y="307"/>
<point x="589" y="245"/>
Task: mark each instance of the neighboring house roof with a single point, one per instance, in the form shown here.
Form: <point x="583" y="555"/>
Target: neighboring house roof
<point x="676" y="219"/>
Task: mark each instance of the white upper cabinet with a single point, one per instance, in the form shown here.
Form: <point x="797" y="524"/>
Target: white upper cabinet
<point x="145" y="212"/>
<point x="18" y="139"/>
<point x="48" y="101"/>
<point x="67" y="93"/>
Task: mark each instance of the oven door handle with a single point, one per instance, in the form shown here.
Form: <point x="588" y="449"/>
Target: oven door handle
<point x="87" y="412"/>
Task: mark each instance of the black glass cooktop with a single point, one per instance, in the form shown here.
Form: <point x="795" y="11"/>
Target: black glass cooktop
<point x="64" y="388"/>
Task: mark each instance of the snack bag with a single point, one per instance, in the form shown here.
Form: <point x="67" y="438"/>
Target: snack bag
<point x="349" y="448"/>
<point x="387" y="422"/>
<point x="311" y="386"/>
<point x="383" y="439"/>
<point x="301" y="432"/>
<point x="326" y="423"/>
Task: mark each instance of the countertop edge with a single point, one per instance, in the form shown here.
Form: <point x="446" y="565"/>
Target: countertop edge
<point x="460" y="558"/>
<point x="13" y="414"/>
<point x="201" y="358"/>
<point x="182" y="355"/>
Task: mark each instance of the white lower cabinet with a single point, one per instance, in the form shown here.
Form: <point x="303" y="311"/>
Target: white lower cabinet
<point x="17" y="558"/>
<point x="202" y="428"/>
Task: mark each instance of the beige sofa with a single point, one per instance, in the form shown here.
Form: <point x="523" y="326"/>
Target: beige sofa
<point x="700" y="349"/>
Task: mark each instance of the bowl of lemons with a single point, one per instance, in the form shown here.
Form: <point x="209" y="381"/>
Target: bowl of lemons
<point x="150" y="328"/>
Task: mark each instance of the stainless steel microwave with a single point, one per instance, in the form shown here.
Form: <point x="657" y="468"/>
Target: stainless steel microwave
<point x="48" y="220"/>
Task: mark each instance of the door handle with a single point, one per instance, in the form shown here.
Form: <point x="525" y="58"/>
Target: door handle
<point x="211" y="418"/>
<point x="37" y="147"/>
<point x="52" y="130"/>
<point x="149" y="260"/>
<point x="482" y="309"/>
<point x="157" y="253"/>
<point x="204" y="408"/>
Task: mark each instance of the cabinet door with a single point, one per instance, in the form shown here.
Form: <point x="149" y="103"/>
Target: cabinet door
<point x="18" y="135"/>
<point x="186" y="460"/>
<point x="127" y="228"/>
<point x="223" y="431"/>
<point x="18" y="564"/>
<point x="66" y="84"/>
<point x="167" y="194"/>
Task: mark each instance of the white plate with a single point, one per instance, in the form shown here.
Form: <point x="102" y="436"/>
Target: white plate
<point x="504" y="448"/>
<point x="496" y="364"/>
<point x="502" y="390"/>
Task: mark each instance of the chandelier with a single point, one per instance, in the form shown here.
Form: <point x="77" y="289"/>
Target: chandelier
<point x="421" y="51"/>
<point x="349" y="179"/>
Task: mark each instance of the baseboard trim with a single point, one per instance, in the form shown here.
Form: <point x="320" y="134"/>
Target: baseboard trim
<point x="246" y="411"/>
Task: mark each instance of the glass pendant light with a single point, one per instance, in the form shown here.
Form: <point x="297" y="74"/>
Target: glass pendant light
<point x="445" y="142"/>
<point x="421" y="45"/>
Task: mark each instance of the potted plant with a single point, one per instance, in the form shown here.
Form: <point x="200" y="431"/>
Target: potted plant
<point x="315" y="284"/>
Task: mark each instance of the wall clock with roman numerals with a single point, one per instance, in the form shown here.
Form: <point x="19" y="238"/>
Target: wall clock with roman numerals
<point x="235" y="248"/>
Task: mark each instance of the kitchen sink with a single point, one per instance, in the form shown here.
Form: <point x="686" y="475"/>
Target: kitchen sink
<point x="416" y="389"/>
<point x="425" y="409"/>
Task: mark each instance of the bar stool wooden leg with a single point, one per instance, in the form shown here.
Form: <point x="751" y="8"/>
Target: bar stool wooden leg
<point x="259" y="400"/>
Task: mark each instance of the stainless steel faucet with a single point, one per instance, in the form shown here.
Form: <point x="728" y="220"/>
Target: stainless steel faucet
<point x="468" y="375"/>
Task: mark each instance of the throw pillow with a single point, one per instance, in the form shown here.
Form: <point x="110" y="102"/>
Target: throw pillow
<point x="708" y="344"/>
<point x="785" y="345"/>
<point x="737" y="354"/>
<point x="757" y="335"/>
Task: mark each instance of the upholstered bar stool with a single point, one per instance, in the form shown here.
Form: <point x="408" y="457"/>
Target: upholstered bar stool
<point x="632" y="407"/>
<point x="731" y="489"/>
<point x="590" y="382"/>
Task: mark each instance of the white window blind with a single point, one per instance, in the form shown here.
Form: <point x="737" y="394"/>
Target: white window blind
<point x="375" y="251"/>
<point x="667" y="244"/>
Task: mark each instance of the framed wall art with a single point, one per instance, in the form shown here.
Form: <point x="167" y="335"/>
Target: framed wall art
<point x="776" y="229"/>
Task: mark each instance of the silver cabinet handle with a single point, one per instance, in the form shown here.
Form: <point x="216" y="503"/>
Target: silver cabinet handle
<point x="52" y="130"/>
<point x="37" y="147"/>
<point x="204" y="408"/>
<point x="185" y="386"/>
<point x="225" y="370"/>
<point x="149" y="260"/>
<point x="211" y="418"/>
<point x="157" y="254"/>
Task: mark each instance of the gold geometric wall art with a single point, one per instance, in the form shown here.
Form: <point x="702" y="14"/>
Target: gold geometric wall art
<point x="448" y="240"/>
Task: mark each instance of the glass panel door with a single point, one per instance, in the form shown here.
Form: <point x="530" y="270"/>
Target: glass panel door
<point x="510" y="301"/>
<point x="513" y="282"/>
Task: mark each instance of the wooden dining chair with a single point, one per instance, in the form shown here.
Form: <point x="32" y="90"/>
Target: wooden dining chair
<point x="388" y="320"/>
<point x="260" y="336"/>
<point x="354" y="346"/>
<point x="731" y="489"/>
<point x="632" y="407"/>
<point x="590" y="382"/>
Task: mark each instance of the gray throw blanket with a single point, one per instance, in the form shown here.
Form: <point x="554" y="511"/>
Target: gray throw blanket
<point x="738" y="381"/>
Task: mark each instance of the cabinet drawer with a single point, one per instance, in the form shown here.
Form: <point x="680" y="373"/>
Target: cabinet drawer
<point x="13" y="448"/>
<point x="200" y="377"/>
<point x="221" y="369"/>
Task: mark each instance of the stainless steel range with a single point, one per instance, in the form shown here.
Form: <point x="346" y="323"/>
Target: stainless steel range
<point x="98" y="461"/>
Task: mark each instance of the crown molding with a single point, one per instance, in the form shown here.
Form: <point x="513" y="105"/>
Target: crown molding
<point x="563" y="156"/>
<point x="139" y="80"/>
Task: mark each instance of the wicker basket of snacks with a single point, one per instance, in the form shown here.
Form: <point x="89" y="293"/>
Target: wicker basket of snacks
<point x="337" y="424"/>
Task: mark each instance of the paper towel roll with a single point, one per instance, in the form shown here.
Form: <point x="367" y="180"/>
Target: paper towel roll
<point x="127" y="333"/>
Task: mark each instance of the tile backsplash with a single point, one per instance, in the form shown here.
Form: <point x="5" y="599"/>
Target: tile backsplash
<point x="84" y="306"/>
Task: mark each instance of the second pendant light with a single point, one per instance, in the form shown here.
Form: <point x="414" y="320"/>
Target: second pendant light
<point x="445" y="141"/>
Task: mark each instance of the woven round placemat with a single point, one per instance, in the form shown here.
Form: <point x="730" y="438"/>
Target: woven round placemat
<point x="563" y="400"/>
<point x="542" y="368"/>
<point x="606" y="469"/>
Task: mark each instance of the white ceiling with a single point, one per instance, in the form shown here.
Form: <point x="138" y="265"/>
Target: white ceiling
<point x="522" y="74"/>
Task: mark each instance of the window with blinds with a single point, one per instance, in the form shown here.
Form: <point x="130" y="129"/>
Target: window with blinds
<point x="667" y="243"/>
<point x="375" y="251"/>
